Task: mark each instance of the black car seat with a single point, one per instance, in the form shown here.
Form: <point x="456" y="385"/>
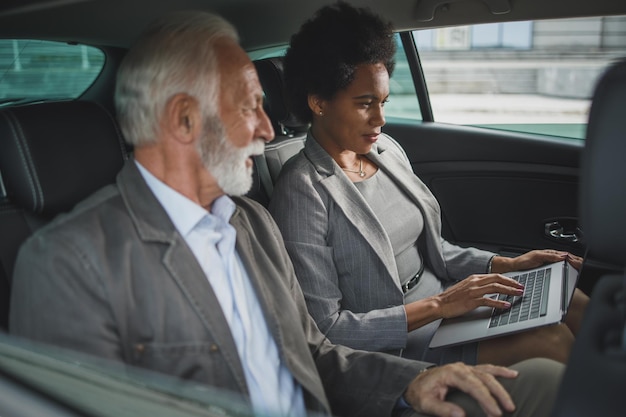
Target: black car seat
<point x="290" y="132"/>
<point x="52" y="155"/>
<point x="595" y="378"/>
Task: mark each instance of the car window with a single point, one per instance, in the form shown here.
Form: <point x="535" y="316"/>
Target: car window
<point x="34" y="70"/>
<point x="402" y="97"/>
<point x="534" y="76"/>
<point x="267" y="52"/>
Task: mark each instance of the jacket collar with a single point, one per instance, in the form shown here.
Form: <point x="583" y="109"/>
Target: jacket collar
<point x="152" y="224"/>
<point x="358" y="212"/>
<point x="352" y="203"/>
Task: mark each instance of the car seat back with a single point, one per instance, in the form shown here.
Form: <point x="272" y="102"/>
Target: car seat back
<point x="594" y="380"/>
<point x="290" y="132"/>
<point x="52" y="155"/>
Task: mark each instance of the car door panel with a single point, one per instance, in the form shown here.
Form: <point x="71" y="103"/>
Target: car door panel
<point x="498" y="190"/>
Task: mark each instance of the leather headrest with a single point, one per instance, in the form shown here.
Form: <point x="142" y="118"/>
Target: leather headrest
<point x="52" y="155"/>
<point x="603" y="169"/>
<point x="272" y="79"/>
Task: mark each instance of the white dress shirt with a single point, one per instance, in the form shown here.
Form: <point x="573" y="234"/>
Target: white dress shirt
<point x="273" y="390"/>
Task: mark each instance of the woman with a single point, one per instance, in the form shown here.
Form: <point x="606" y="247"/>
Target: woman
<point x="363" y="231"/>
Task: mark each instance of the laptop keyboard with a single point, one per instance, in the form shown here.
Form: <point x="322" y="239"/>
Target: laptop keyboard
<point x="532" y="304"/>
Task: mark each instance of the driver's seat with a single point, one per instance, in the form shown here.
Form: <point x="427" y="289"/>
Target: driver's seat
<point x="594" y="383"/>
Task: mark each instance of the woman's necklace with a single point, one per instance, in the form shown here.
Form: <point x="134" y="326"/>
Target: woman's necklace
<point x="360" y="171"/>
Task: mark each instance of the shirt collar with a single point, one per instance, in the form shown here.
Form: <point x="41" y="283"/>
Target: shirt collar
<point x="185" y="214"/>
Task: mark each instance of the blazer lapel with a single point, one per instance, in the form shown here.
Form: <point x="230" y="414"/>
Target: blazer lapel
<point x="281" y="318"/>
<point x="417" y="191"/>
<point x="263" y="292"/>
<point x="354" y="206"/>
<point x="182" y="266"/>
<point x="405" y="179"/>
<point x="155" y="227"/>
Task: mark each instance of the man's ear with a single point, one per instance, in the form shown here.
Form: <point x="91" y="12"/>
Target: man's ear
<point x="182" y="117"/>
<point x="316" y="104"/>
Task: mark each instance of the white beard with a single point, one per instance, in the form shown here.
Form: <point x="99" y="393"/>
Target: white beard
<point x="225" y="161"/>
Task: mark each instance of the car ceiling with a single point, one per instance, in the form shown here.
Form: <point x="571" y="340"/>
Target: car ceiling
<point x="263" y="22"/>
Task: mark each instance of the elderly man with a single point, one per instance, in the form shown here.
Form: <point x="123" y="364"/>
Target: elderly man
<point x="165" y="271"/>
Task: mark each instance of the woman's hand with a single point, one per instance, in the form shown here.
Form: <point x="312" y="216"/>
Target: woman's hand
<point x="470" y="293"/>
<point x="575" y="261"/>
<point x="533" y="259"/>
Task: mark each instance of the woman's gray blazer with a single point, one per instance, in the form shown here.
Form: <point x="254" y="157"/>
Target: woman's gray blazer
<point x="343" y="258"/>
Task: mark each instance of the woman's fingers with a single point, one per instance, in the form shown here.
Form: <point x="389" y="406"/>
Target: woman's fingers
<point x="536" y="258"/>
<point x="495" y="303"/>
<point x="477" y="281"/>
<point x="575" y="261"/>
<point x="470" y="293"/>
<point x="493" y="284"/>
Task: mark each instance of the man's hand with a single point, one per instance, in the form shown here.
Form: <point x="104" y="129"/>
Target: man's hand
<point x="427" y="392"/>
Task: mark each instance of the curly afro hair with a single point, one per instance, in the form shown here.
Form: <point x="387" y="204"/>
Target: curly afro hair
<point x="322" y="57"/>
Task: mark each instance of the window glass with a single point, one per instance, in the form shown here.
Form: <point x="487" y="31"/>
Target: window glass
<point x="533" y="77"/>
<point x="267" y="52"/>
<point x="402" y="97"/>
<point x="32" y="70"/>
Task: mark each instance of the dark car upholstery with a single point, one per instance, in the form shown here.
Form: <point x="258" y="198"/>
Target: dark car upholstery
<point x="290" y="132"/>
<point x="603" y="171"/>
<point x="599" y="353"/>
<point x="53" y="155"/>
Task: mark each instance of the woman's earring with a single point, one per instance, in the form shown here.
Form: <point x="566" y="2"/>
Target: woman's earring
<point x="321" y="113"/>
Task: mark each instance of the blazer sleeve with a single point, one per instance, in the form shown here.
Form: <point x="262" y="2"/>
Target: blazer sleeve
<point x="300" y="207"/>
<point x="44" y="281"/>
<point x="462" y="262"/>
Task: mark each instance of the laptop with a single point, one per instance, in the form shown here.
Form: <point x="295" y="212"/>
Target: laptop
<point x="547" y="295"/>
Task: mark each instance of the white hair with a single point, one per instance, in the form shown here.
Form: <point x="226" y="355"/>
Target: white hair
<point x="174" y="55"/>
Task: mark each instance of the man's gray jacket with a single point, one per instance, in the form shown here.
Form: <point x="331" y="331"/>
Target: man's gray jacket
<point x="115" y="279"/>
